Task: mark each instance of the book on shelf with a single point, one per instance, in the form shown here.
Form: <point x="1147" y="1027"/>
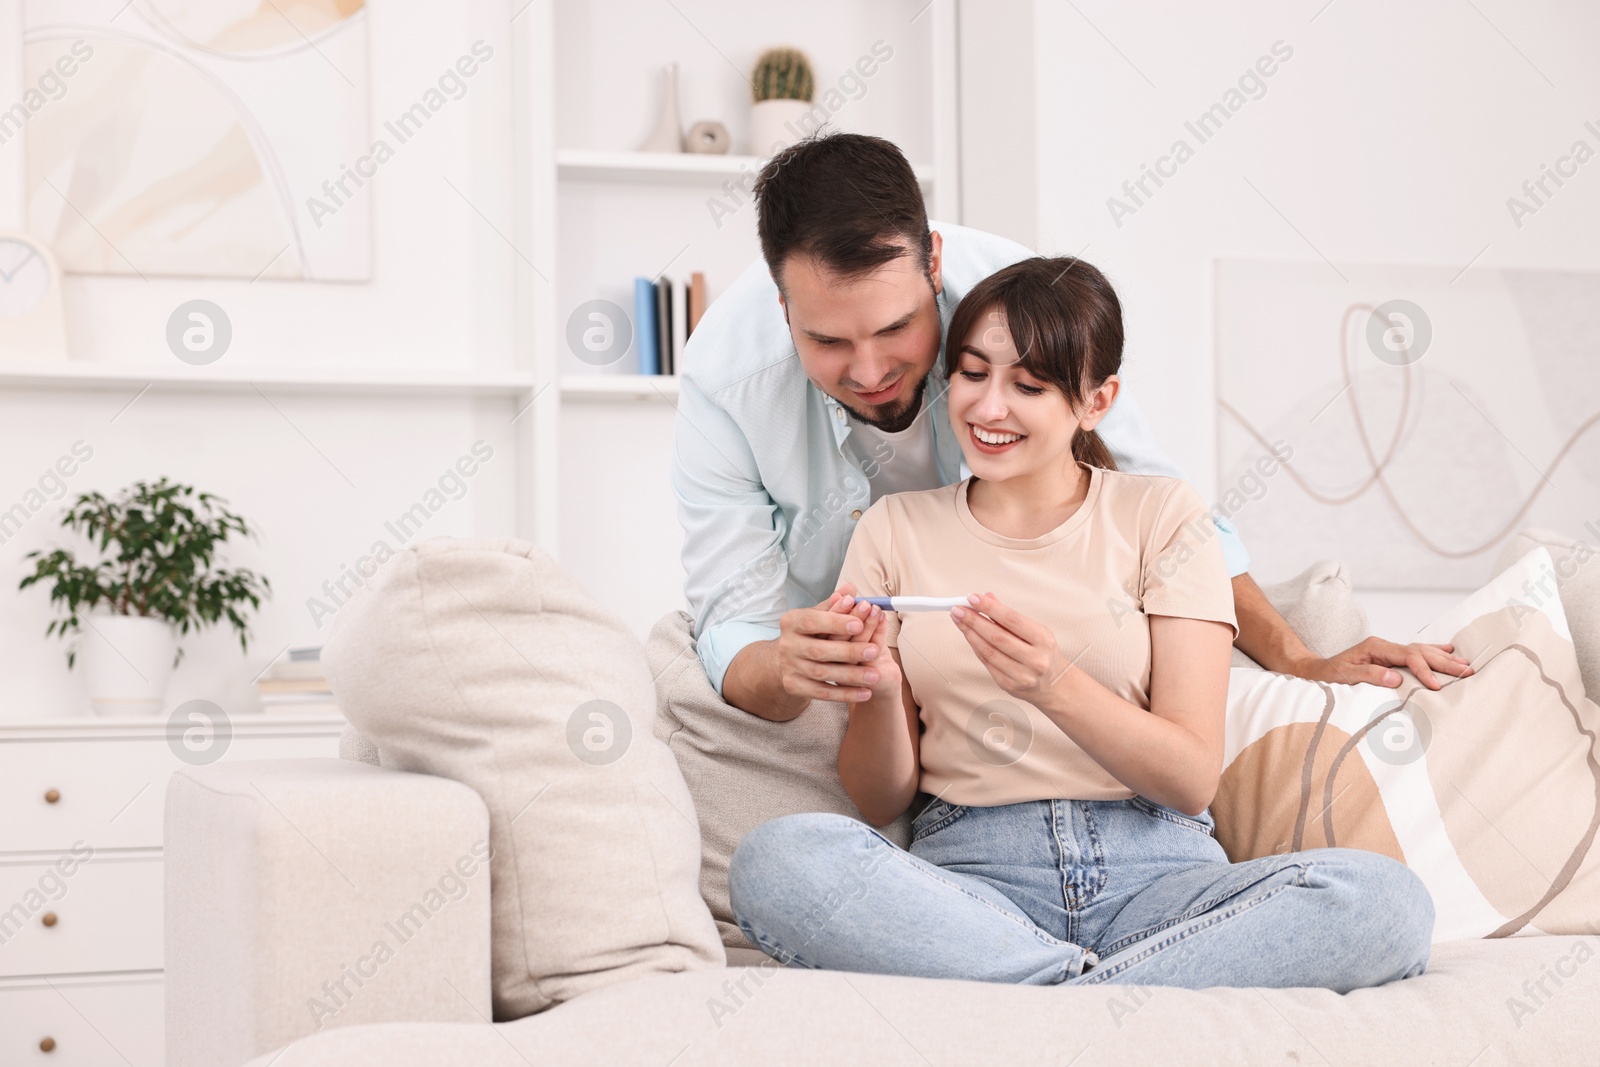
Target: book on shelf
<point x="299" y="704"/>
<point x="310" y="684"/>
<point x="285" y="668"/>
<point x="296" y="683"/>
<point x="680" y="323"/>
<point x="644" y="325"/>
<point x="697" y="299"/>
<point x="664" y="325"/>
<point x="296" y="662"/>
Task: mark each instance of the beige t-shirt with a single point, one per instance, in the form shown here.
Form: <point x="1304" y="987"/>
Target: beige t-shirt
<point x="1139" y="545"/>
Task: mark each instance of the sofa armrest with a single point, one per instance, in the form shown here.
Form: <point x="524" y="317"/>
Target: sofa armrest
<point x="311" y="893"/>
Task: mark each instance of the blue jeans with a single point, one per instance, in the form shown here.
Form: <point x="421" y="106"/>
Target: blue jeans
<point x="1074" y="891"/>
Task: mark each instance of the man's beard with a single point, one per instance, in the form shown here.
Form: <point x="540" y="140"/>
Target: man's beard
<point x="902" y="417"/>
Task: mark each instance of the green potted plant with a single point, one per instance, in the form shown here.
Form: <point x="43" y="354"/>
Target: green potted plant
<point x="156" y="579"/>
<point x="781" y="86"/>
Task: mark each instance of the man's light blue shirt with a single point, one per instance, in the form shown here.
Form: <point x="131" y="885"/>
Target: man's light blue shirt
<point x="769" y="496"/>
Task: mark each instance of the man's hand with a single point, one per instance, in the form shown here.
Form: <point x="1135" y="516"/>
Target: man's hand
<point x="817" y="645"/>
<point x="1371" y="661"/>
<point x="1266" y="637"/>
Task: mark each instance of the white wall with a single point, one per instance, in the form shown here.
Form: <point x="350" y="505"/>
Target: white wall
<point x="999" y="114"/>
<point x="1394" y="134"/>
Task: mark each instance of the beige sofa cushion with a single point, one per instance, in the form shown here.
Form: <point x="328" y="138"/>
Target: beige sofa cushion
<point x="1524" y="1000"/>
<point x="484" y="661"/>
<point x="1486" y="788"/>
<point x="743" y="769"/>
<point x="1577" y="577"/>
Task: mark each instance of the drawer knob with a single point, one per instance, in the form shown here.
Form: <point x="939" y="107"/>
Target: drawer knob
<point x="52" y="795"/>
<point x="48" y="918"/>
<point x="47" y="1044"/>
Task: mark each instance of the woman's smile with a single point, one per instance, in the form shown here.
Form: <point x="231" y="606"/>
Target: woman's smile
<point x="992" y="442"/>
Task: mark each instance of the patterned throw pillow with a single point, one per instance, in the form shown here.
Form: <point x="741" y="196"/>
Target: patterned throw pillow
<point x="1488" y="788"/>
<point x="1578" y="578"/>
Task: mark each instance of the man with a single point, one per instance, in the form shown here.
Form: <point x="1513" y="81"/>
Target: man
<point x="814" y="386"/>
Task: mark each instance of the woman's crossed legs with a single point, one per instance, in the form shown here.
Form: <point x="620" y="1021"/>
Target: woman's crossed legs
<point x="1074" y="891"/>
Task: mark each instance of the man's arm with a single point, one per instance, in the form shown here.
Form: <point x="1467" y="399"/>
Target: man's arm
<point x="1266" y="637"/>
<point x="760" y="657"/>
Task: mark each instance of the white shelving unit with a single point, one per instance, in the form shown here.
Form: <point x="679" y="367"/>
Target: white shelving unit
<point x="619" y="387"/>
<point x="604" y="214"/>
<point x="583" y="165"/>
<point x="233" y="377"/>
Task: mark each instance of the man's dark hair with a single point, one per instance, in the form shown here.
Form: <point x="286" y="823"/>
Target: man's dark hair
<point x="849" y="200"/>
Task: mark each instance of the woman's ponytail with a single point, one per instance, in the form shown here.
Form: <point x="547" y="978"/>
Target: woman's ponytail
<point x="1088" y="448"/>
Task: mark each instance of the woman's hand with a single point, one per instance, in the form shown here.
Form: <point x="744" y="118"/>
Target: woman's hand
<point x="874" y="631"/>
<point x="1021" y="655"/>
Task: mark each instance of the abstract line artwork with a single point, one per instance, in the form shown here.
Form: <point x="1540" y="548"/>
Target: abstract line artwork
<point x="1429" y="413"/>
<point x="172" y="147"/>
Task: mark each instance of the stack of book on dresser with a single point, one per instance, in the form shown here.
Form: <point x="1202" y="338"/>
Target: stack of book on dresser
<point x="296" y="685"/>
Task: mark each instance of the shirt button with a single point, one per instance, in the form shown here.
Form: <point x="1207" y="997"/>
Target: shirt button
<point x="839" y="412"/>
<point x="856" y="514"/>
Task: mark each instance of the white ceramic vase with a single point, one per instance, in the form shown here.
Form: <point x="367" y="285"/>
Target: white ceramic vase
<point x="126" y="660"/>
<point x="776" y="124"/>
<point x="668" y="136"/>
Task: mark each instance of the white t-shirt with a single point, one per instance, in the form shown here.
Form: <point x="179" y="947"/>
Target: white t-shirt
<point x="901" y="462"/>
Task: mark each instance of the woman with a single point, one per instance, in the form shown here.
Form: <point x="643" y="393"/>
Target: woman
<point x="1068" y="724"/>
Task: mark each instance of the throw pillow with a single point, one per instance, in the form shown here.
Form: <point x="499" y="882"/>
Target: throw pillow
<point x="742" y="769"/>
<point x="484" y="661"/>
<point x="1488" y="788"/>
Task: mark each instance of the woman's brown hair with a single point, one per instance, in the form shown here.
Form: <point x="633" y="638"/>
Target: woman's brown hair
<point x="1066" y="322"/>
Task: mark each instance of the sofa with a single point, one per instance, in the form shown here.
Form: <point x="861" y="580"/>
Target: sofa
<point x="422" y="901"/>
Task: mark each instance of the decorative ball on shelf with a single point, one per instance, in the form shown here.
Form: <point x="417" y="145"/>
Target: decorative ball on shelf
<point x="707" y="138"/>
<point x="781" y="86"/>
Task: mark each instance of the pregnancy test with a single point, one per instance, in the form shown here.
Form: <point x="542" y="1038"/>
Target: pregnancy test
<point x="916" y="603"/>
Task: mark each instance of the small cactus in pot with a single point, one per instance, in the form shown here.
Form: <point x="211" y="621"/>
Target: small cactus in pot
<point x="782" y="74"/>
<point x="781" y="88"/>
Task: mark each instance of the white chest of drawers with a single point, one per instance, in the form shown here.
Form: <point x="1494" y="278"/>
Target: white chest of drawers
<point x="80" y="875"/>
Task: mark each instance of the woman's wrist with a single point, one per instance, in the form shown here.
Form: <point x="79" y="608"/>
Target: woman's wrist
<point x="880" y="704"/>
<point x="1065" y="693"/>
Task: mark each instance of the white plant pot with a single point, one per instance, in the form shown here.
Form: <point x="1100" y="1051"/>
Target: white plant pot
<point x="126" y="661"/>
<point x="776" y="124"/>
